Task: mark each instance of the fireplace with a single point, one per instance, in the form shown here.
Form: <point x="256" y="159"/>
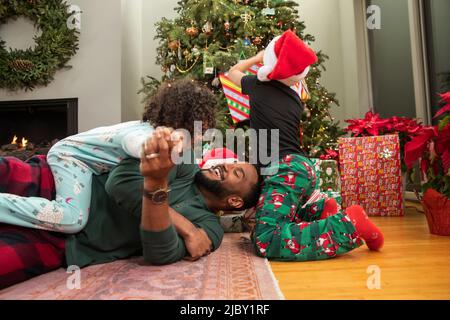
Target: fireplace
<point x="32" y="127"/>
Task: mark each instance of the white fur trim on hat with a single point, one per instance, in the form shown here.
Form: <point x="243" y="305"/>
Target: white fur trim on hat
<point x="305" y="73"/>
<point x="214" y="162"/>
<point x="270" y="61"/>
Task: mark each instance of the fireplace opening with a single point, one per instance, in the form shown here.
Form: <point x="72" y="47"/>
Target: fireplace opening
<point x="28" y="128"/>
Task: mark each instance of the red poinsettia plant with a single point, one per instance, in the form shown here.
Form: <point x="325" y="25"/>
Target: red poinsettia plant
<point x="374" y="125"/>
<point x="432" y="147"/>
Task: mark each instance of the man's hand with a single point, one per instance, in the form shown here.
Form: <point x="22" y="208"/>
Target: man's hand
<point x="156" y="161"/>
<point x="197" y="244"/>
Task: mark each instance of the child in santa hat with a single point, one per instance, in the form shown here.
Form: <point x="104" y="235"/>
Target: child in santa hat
<point x="294" y="220"/>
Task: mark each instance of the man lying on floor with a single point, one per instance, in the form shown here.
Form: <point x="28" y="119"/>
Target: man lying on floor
<point x="134" y="211"/>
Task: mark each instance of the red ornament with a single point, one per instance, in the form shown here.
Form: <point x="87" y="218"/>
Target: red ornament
<point x="257" y="41"/>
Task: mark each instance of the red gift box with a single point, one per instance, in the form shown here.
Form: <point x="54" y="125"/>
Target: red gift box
<point x="371" y="174"/>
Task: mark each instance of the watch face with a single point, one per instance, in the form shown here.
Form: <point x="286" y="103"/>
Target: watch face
<point x="160" y="196"/>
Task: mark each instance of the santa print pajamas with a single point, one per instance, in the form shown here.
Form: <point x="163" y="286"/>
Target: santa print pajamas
<point x="73" y="161"/>
<point x="287" y="217"/>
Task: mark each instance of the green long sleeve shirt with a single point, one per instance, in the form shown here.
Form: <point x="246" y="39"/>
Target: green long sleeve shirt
<point x="113" y="229"/>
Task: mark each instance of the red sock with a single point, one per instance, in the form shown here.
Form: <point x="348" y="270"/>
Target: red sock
<point x="367" y="229"/>
<point x="330" y="208"/>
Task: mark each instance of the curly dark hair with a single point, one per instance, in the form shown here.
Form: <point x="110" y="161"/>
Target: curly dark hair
<point x="252" y="197"/>
<point x="177" y="104"/>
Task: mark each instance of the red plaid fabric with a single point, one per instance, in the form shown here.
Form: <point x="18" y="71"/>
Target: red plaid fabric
<point x="29" y="179"/>
<point x="26" y="253"/>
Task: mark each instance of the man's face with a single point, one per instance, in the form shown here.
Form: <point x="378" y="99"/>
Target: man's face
<point x="228" y="180"/>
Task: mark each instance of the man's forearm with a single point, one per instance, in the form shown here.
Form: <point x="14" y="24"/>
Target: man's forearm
<point x="160" y="217"/>
<point x="155" y="217"/>
<point x="183" y="226"/>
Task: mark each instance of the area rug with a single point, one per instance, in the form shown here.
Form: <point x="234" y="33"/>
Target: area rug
<point x="231" y="273"/>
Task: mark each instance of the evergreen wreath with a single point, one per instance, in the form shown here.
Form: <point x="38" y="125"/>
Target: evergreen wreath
<point x="26" y="69"/>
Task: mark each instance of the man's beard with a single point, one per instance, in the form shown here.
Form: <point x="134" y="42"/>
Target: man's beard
<point x="214" y="186"/>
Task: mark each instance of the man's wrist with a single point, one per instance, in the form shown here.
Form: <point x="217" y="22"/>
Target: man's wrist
<point x="151" y="184"/>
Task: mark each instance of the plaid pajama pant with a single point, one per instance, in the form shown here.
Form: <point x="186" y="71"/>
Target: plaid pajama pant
<point x="26" y="253"/>
<point x="288" y="225"/>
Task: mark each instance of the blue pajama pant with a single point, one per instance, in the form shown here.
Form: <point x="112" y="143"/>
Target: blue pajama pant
<point x="73" y="161"/>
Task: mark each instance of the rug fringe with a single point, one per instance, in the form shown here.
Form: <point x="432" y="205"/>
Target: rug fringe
<point x="274" y="281"/>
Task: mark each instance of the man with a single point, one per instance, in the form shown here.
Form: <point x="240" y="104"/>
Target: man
<point x="149" y="207"/>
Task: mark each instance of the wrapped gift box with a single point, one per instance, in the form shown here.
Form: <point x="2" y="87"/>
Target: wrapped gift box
<point x="371" y="174"/>
<point x="328" y="174"/>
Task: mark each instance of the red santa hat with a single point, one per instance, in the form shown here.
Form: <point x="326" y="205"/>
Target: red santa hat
<point x="286" y="56"/>
<point x="217" y="156"/>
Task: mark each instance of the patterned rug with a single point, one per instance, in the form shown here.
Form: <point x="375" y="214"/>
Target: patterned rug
<point x="231" y="273"/>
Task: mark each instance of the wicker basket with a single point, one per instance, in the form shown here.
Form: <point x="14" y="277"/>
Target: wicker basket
<point x="437" y="211"/>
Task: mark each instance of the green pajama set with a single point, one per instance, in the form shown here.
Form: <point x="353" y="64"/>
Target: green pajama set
<point x="288" y="225"/>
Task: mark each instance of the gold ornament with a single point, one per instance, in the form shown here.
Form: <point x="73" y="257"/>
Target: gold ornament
<point x="246" y="17"/>
<point x="21" y="65"/>
<point x="192" y="31"/>
<point x="174" y="45"/>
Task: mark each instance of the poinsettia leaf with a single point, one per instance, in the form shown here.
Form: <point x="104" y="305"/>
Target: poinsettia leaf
<point x="446" y="160"/>
<point x="414" y="149"/>
<point x="441" y="111"/>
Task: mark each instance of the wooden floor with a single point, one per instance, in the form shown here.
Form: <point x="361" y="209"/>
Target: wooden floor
<point x="414" y="265"/>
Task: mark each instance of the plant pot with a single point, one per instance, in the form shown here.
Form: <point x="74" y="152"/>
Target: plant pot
<point x="437" y="211"/>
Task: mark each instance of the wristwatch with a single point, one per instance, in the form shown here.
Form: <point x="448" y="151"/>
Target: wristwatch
<point x="158" y="197"/>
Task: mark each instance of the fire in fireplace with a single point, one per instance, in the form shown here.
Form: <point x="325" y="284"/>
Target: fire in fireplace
<point x="28" y="128"/>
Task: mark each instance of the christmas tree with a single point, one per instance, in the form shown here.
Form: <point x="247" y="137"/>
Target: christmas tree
<point x="210" y="36"/>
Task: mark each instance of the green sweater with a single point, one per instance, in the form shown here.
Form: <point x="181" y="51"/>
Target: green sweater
<point x="113" y="230"/>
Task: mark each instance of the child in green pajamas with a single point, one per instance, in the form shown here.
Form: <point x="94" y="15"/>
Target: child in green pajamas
<point x="75" y="159"/>
<point x="294" y="220"/>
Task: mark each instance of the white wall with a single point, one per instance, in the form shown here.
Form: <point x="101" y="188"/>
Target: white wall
<point x="96" y="74"/>
<point x="332" y="23"/>
<point x="132" y="59"/>
<point x="152" y="12"/>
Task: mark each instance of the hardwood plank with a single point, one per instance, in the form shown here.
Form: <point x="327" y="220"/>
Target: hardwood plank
<point x="414" y="265"/>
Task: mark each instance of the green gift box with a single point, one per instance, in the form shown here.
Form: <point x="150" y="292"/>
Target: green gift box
<point x="328" y="175"/>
